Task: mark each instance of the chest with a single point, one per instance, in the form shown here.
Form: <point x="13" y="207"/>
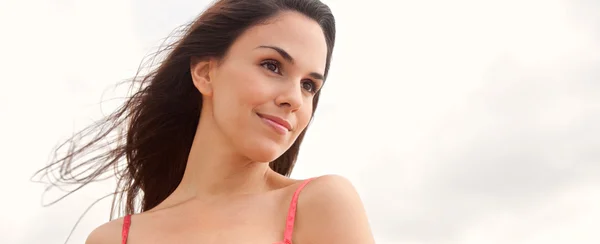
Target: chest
<point x="260" y="222"/>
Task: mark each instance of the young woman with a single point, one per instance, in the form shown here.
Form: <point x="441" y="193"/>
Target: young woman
<point x="212" y="134"/>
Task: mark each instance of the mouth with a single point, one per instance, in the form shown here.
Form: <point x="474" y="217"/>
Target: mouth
<point x="280" y="125"/>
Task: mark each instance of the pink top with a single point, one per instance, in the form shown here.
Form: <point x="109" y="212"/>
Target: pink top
<point x="289" y="223"/>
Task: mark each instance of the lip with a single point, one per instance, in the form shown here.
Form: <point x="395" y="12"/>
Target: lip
<point x="277" y="121"/>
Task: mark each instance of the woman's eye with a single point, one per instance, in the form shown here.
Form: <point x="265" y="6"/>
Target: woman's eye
<point x="309" y="86"/>
<point x="271" y="65"/>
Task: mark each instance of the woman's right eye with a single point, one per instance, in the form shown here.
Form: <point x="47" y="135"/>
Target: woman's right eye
<point x="271" y="65"/>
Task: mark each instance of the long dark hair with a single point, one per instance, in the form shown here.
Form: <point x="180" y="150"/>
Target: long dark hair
<point x="149" y="137"/>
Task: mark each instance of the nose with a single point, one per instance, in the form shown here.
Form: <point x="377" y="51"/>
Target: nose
<point x="290" y="96"/>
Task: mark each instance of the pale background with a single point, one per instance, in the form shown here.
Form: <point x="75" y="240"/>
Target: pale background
<point x="458" y="121"/>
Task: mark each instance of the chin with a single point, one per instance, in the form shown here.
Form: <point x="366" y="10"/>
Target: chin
<point x="264" y="152"/>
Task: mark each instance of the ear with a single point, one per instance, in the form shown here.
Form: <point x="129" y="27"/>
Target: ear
<point x="200" y="70"/>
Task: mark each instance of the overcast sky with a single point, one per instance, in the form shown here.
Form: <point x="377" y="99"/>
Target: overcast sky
<point x="458" y="121"/>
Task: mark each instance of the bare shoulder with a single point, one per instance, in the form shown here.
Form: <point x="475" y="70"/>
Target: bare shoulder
<point x="109" y="232"/>
<point x="330" y="211"/>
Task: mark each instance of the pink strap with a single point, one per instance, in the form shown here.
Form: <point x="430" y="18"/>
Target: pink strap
<point x="125" y="232"/>
<point x="289" y="225"/>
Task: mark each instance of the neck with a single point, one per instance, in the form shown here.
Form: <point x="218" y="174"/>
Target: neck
<point x="214" y="169"/>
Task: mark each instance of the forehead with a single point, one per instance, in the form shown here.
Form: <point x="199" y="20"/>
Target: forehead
<point x="293" y="32"/>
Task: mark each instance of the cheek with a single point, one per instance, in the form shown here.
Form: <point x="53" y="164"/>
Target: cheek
<point x="304" y="114"/>
<point x="251" y="87"/>
<point x="238" y="87"/>
<point x="237" y="94"/>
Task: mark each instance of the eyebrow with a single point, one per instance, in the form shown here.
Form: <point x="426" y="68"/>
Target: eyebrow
<point x="285" y="55"/>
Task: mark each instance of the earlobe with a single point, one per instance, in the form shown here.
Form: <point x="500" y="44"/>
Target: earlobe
<point x="200" y="71"/>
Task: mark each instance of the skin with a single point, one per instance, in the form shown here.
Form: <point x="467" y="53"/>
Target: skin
<point x="228" y="193"/>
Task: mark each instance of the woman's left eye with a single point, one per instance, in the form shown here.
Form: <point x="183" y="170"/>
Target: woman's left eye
<point x="309" y="86"/>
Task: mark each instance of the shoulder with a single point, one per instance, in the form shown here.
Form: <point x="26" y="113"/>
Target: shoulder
<point x="321" y="188"/>
<point x="109" y="232"/>
<point x="330" y="211"/>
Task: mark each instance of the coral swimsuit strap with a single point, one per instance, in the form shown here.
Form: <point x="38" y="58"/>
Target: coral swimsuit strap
<point x="289" y="223"/>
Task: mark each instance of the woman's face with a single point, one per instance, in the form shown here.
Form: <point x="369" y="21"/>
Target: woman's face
<point x="261" y="94"/>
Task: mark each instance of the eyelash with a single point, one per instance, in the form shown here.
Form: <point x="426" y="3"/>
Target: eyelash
<point x="277" y="70"/>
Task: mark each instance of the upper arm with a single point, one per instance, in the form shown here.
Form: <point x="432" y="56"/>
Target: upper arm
<point x="331" y="211"/>
<point x="107" y="233"/>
